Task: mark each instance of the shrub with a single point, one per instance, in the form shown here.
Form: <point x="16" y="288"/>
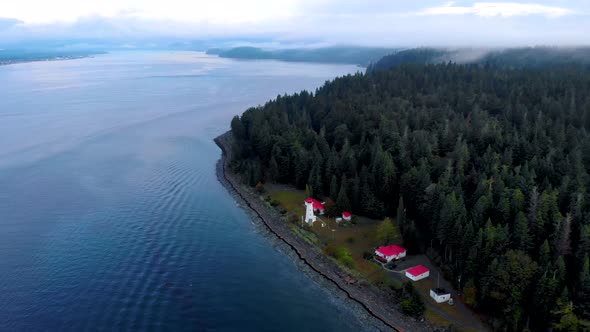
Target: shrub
<point x="347" y="261"/>
<point x="331" y="250"/>
<point x="274" y="202"/>
<point x="260" y="187"/>
<point x="292" y="217"/>
<point x="411" y="304"/>
<point x="341" y="254"/>
<point x="330" y="207"/>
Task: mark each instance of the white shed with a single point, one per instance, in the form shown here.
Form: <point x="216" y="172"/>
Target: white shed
<point x="417" y="272"/>
<point x="440" y="295"/>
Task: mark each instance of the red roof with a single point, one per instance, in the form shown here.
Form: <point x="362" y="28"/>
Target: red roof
<point x="316" y="204"/>
<point x="391" y="250"/>
<point x="417" y="270"/>
<point x="346" y="214"/>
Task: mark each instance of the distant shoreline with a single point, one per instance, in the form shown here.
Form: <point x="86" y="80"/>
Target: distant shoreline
<point x="368" y="297"/>
<point x="360" y="56"/>
<point x="8" y="62"/>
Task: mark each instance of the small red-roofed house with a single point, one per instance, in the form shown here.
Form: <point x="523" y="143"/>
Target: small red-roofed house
<point x="346" y="215"/>
<point x="386" y="254"/>
<point x="417" y="272"/>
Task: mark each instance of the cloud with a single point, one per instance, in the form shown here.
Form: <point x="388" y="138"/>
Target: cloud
<point x="312" y="22"/>
<point x="503" y="9"/>
<point x="218" y="11"/>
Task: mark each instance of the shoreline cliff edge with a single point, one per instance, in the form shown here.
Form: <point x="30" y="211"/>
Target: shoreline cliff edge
<point x="374" y="309"/>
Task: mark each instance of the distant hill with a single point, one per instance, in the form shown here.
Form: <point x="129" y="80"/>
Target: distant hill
<point x="352" y="55"/>
<point x="525" y="57"/>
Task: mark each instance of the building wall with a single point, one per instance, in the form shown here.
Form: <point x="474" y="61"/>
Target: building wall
<point x="387" y="258"/>
<point x="390" y="258"/>
<point x="440" y="298"/>
<point x="310" y="217"/>
<point x="419" y="277"/>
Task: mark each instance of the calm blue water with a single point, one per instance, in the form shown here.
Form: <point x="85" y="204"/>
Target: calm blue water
<point x="111" y="217"/>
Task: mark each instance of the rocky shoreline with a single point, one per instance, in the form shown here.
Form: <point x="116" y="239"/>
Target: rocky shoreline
<point x="374" y="309"/>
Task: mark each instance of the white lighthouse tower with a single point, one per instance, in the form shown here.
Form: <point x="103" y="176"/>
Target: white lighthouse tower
<point x="309" y="215"/>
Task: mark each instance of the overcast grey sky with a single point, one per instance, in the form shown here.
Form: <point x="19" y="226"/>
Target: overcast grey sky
<point x="363" y="22"/>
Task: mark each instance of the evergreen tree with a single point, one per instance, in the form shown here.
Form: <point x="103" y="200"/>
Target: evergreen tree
<point x="401" y="214"/>
<point x="273" y="170"/>
<point x="511" y="279"/>
<point x="343" y="203"/>
<point x="387" y="233"/>
<point x="237" y="128"/>
<point x="411" y="302"/>
<point x="583" y="291"/>
<point x="334" y="192"/>
<point x="308" y="191"/>
<point x="520" y="236"/>
<point x="566" y="319"/>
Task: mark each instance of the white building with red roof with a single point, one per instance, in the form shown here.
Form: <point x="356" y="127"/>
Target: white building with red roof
<point x="388" y="253"/>
<point x="346" y="215"/>
<point x="417" y="272"/>
<point x="311" y="207"/>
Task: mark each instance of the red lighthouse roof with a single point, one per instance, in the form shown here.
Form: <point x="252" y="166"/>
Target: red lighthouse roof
<point x="316" y="204"/>
<point x="346" y="214"/>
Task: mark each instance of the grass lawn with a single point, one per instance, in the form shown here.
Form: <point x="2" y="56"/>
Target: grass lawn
<point x="291" y="201"/>
<point x="438" y="320"/>
<point x="357" y="238"/>
<point x="435" y="318"/>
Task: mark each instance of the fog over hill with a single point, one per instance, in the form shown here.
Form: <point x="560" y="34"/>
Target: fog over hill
<point x="508" y="57"/>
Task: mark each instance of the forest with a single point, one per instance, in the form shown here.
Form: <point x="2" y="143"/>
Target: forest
<point x="522" y="57"/>
<point x="490" y="162"/>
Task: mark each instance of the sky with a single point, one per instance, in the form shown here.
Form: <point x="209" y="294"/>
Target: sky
<point x="308" y="22"/>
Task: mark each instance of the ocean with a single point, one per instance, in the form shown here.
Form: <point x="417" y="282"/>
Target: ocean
<point x="111" y="215"/>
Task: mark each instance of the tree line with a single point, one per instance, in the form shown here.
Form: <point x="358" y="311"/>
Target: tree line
<point x="522" y="57"/>
<point x="486" y="165"/>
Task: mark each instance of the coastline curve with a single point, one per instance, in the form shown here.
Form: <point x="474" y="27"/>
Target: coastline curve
<point x="223" y="141"/>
